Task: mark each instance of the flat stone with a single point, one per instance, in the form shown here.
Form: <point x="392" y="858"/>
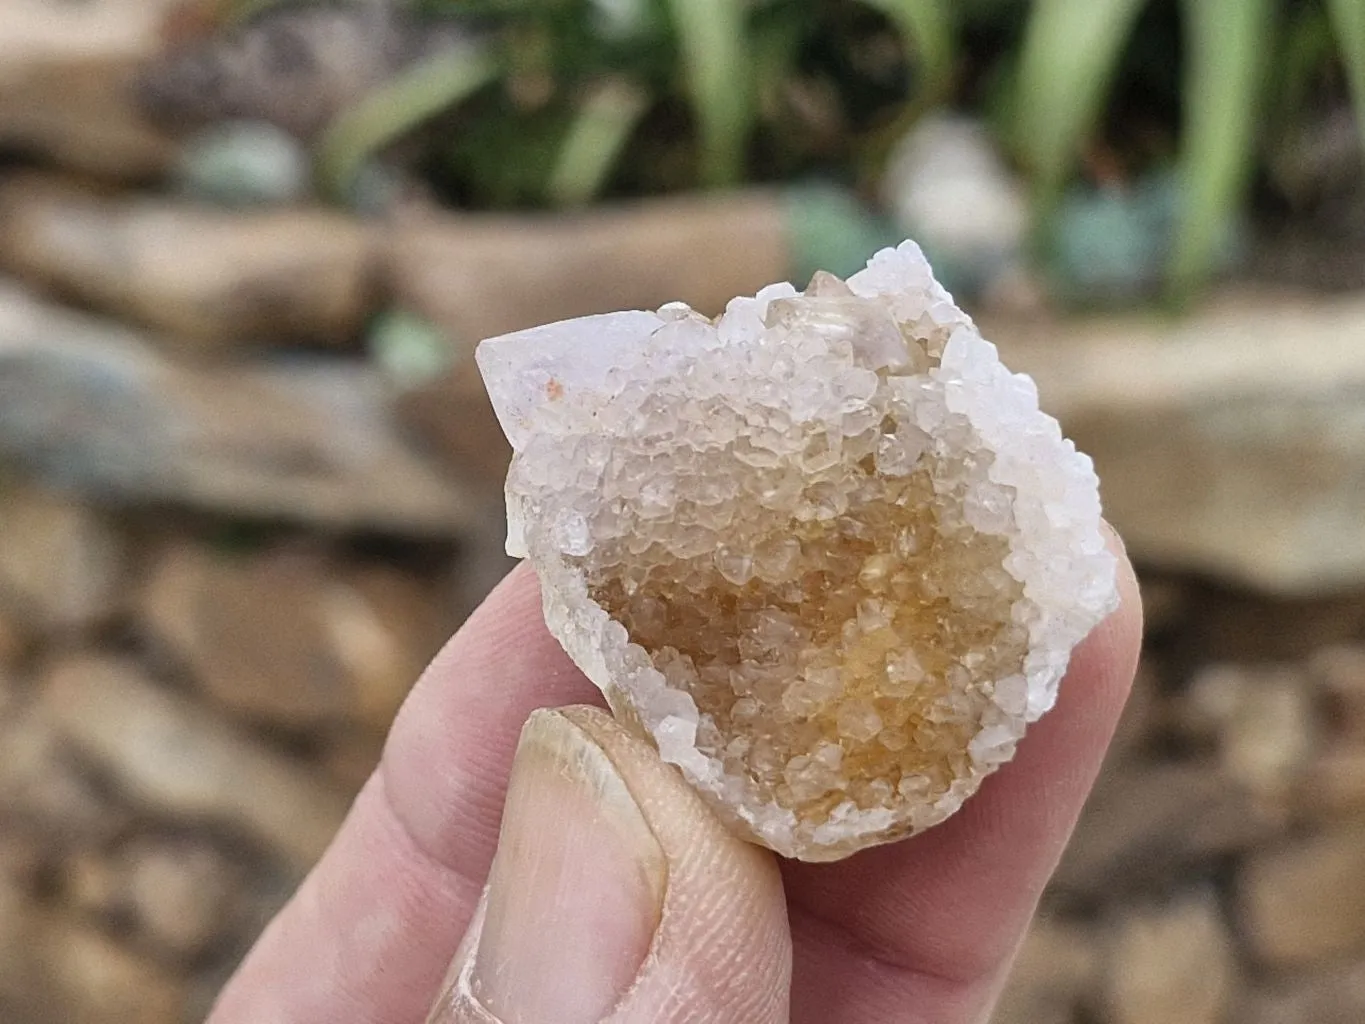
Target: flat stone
<point x="292" y="638"/>
<point x="61" y="566"/>
<point x="1339" y="672"/>
<point x="14" y="640"/>
<point x="176" y="759"/>
<point x="178" y="895"/>
<point x="68" y="84"/>
<point x="1304" y="903"/>
<point x="1263" y="720"/>
<point x="1333" y="783"/>
<point x="1056" y="969"/>
<point x="1145" y="824"/>
<point x="1327" y="997"/>
<point x="206" y="279"/>
<point x="1171" y="965"/>
<point x="1261" y="451"/>
<point x="53" y="968"/>
<point x="91" y="405"/>
<point x="44" y="792"/>
<point x="182" y="893"/>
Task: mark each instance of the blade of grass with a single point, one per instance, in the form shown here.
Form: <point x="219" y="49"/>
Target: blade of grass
<point x="713" y="38"/>
<point x="1227" y="45"/>
<point x="927" y="31"/>
<point x="600" y="131"/>
<point x="395" y="108"/>
<point x="1348" y="18"/>
<point x="1070" y="52"/>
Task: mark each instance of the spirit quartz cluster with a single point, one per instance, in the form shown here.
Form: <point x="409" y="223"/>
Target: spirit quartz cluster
<point x="824" y="550"/>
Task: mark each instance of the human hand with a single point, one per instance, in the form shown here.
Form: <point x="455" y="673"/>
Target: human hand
<point x="615" y="894"/>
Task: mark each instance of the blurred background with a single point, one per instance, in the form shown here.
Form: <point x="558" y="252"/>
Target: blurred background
<point x="249" y="481"/>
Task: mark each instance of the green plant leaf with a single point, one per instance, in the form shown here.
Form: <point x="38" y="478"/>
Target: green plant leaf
<point x="1070" y="51"/>
<point x="927" y="30"/>
<point x="595" y="139"/>
<point x="1227" y="45"/>
<point x="1348" y="18"/>
<point x="713" y="38"/>
<point x="395" y="108"/>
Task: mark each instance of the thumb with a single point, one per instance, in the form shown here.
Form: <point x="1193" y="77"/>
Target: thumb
<point x="617" y="896"/>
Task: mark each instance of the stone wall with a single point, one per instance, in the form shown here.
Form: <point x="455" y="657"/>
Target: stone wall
<point x="186" y="708"/>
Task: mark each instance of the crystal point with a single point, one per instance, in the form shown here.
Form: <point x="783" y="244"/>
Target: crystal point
<point x="825" y="550"/>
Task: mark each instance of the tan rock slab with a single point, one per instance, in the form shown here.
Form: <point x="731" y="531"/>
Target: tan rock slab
<point x="1339" y="671"/>
<point x="1333" y="784"/>
<point x="44" y="792"/>
<point x="92" y="403"/>
<point x="1263" y="720"/>
<point x="1146" y="823"/>
<point x="68" y="84"/>
<point x="1331" y="997"/>
<point x="289" y="637"/>
<point x="182" y="894"/>
<point x="55" y="969"/>
<point x="178" y="760"/>
<point x="1171" y="965"/>
<point x="1305" y="902"/>
<point x="207" y="279"/>
<point x="1231" y="441"/>
<point x="1055" y="969"/>
<point x="61" y="565"/>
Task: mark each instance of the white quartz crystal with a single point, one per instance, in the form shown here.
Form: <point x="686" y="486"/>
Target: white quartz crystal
<point x="824" y="550"/>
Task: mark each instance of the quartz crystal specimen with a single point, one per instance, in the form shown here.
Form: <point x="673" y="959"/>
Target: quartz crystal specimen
<point x="825" y="550"/>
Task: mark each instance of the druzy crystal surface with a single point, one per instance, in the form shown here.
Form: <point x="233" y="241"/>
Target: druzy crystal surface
<point x="824" y="550"/>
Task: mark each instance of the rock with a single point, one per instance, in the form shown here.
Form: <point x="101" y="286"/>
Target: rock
<point x="1171" y="965"/>
<point x="245" y="163"/>
<point x="1261" y="451"/>
<point x="67" y="84"/>
<point x="1305" y="902"/>
<point x="1339" y="672"/>
<point x="61" y="567"/>
<point x="43" y="790"/>
<point x="23" y="859"/>
<point x="209" y="279"/>
<point x="289" y="638"/>
<point x="1145" y="825"/>
<point x="950" y="191"/>
<point x="771" y="540"/>
<point x="1055" y="969"/>
<point x="1333" y="997"/>
<point x="476" y="276"/>
<point x="92" y="406"/>
<point x="175" y="759"/>
<point x="1244" y="626"/>
<point x="14" y="640"/>
<point x="1263" y="720"/>
<point x="181" y="893"/>
<point x="55" y="969"/>
<point x="1333" y="784"/>
<point x="350" y="756"/>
